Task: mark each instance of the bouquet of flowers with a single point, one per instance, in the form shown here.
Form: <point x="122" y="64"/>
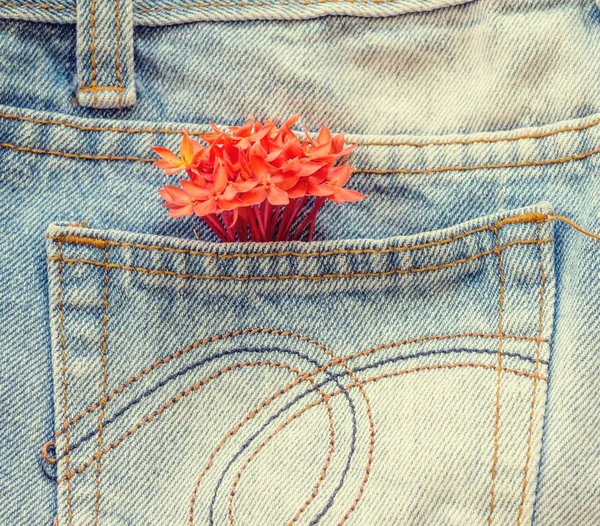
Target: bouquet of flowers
<point x="259" y="181"/>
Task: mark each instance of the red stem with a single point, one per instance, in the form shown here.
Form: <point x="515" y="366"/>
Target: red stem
<point x="310" y="219"/>
<point x="261" y="225"/>
<point x="242" y="229"/>
<point x="215" y="226"/>
<point x="294" y="212"/>
<point x="313" y="223"/>
<point x="275" y="221"/>
<point x="287" y="210"/>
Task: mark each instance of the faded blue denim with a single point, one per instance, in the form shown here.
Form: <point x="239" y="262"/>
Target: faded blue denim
<point x="430" y="359"/>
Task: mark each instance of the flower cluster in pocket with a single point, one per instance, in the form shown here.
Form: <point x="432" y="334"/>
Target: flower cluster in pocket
<point x="258" y="181"/>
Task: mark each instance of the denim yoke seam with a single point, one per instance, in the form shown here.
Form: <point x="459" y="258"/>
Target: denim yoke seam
<point x="416" y="144"/>
<point x="335" y="361"/>
<point x="403" y="171"/>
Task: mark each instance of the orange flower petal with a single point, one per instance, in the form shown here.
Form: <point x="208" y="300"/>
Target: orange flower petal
<point x="205" y="208"/>
<point x="277" y="196"/>
<point x="194" y="191"/>
<point x="254" y="196"/>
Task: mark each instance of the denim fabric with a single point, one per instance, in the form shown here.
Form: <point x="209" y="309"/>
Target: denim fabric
<point x="105" y="54"/>
<point x="489" y="65"/>
<point x="214" y="356"/>
<point x="438" y="340"/>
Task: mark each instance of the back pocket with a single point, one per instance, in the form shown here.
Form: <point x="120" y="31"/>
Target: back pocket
<point x="396" y="381"/>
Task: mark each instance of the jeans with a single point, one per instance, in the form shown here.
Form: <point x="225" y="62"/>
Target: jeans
<point x="429" y="359"/>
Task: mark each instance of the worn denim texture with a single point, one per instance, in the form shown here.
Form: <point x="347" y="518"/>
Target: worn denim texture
<point x="468" y="394"/>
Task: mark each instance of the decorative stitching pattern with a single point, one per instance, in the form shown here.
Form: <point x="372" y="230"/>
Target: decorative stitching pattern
<point x="304" y="377"/>
<point x="498" y="381"/>
<point x="178" y="354"/>
<point x="101" y="243"/>
<point x="262" y="445"/>
<point x="327" y="397"/>
<point x="103" y="352"/>
<point x="150" y="418"/>
<point x="371" y="424"/>
<point x="65" y="383"/>
<point x="303" y="277"/>
<point x="535" y="383"/>
<point x="416" y="144"/>
<point x="219" y="337"/>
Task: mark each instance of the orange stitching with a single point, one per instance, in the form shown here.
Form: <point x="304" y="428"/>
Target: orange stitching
<point x="264" y="443"/>
<point x="219" y="5"/>
<point x="371" y="424"/>
<point x="93" y="50"/>
<point x="40" y="6"/>
<point x="104" y="349"/>
<point x="219" y="337"/>
<point x="535" y="384"/>
<point x="302" y="377"/>
<point x="162" y="361"/>
<point x="361" y="143"/>
<point x="499" y="370"/>
<point x="249" y="417"/>
<point x="491" y="140"/>
<point x="326" y="399"/>
<point x="90" y="241"/>
<point x="76" y="155"/>
<point x="65" y="385"/>
<point x="262" y="405"/>
<point x="529" y="217"/>
<point x="82" y="127"/>
<point x="101" y="243"/>
<point x="149" y="418"/>
<point x="544" y="162"/>
<point x="304" y="277"/>
<point x="346" y="389"/>
<point x="322" y="475"/>
<point x="95" y="89"/>
<point x="290" y="386"/>
<point x="118" y="50"/>
<point x="522" y="164"/>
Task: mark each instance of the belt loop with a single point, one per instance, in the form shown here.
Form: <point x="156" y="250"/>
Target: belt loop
<point x="105" y="53"/>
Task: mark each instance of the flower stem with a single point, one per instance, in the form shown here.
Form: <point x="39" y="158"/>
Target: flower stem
<point x="215" y="226"/>
<point x="261" y="225"/>
<point x="310" y="219"/>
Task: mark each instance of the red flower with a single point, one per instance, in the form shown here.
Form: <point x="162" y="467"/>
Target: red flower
<point x="252" y="181"/>
<point x="172" y="164"/>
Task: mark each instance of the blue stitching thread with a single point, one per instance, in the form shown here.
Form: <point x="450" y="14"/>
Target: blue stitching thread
<point x="204" y="361"/>
<point x="311" y="390"/>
